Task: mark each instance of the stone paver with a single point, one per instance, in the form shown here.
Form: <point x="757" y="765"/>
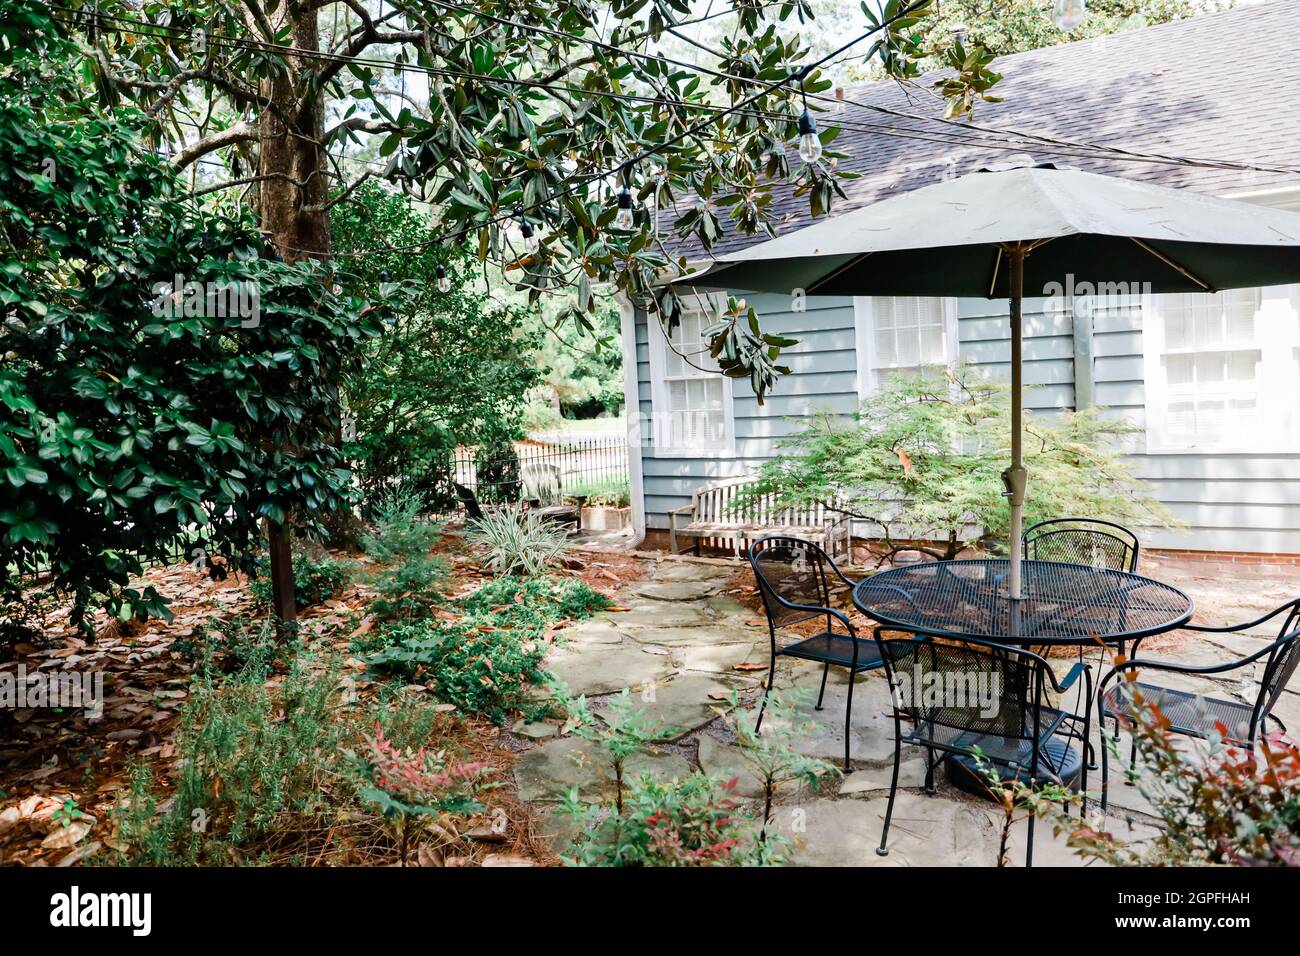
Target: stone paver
<point x="723" y="658"/>
<point x="708" y="634"/>
<point x="592" y="631"/>
<point x="606" y="669"/>
<point x="662" y="614"/>
<point x="682" y="634"/>
<point x="926" y="831"/>
<point x="685" y="703"/>
<point x="547" y="773"/>
<point x="675" y="590"/>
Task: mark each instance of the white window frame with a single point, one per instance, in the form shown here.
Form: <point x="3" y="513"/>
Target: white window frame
<point x="865" y="339"/>
<point x="658" y="341"/>
<point x="1277" y="337"/>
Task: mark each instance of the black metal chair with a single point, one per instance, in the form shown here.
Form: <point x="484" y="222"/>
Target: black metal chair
<point x="793" y="582"/>
<point x="1010" y="734"/>
<point x="1198" y="715"/>
<point x="1090" y="541"/>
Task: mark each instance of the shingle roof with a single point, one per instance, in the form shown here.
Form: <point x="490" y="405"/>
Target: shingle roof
<point x="1224" y="86"/>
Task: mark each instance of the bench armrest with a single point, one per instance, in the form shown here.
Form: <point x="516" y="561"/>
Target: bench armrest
<point x="674" y="513"/>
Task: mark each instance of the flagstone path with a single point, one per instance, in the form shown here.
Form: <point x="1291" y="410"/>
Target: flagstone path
<point x="682" y="645"/>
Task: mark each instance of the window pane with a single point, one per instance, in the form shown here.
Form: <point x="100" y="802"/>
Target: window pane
<point x="886" y="353"/>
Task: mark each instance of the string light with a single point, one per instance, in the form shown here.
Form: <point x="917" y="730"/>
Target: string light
<point x="810" y="144"/>
<point x="526" y="231"/>
<point x="625" y="218"/>
<point x="444" y="283"/>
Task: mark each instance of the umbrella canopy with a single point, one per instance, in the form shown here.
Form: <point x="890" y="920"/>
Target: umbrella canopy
<point x="1004" y="230"/>
<point x="948" y="238"/>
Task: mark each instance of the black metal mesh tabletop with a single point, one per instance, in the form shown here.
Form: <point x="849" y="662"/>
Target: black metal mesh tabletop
<point x="1061" y="603"/>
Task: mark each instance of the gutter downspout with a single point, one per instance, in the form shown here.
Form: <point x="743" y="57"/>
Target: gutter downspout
<point x="632" y="418"/>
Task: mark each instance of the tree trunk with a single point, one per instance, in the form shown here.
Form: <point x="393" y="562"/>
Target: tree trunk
<point x="290" y="207"/>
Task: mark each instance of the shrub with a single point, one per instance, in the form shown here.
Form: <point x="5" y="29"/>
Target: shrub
<point x="534" y="604"/>
<point x="476" y="666"/>
<point x="496" y="469"/>
<point x="314" y="581"/>
<point x="620" y="732"/>
<point x="773" y="756"/>
<point x="254" y="766"/>
<point x="1218" y="804"/>
<point x="276" y="772"/>
<point x="691" y="822"/>
<point x="517" y="542"/>
<point x="923" y="460"/>
<point x="602" y="492"/>
<point x="234" y="645"/>
<point x="418" y="789"/>
<point x="409" y="579"/>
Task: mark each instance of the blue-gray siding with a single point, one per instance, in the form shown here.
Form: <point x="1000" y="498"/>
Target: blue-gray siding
<point x="1234" y="502"/>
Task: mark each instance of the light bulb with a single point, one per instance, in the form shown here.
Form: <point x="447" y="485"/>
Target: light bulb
<point x="1068" y="14"/>
<point x="444" y="284"/>
<point x="624" y="218"/>
<point x="531" y="242"/>
<point x="810" y="146"/>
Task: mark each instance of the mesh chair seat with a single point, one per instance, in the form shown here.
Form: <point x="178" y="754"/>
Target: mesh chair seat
<point x="1193" y="714"/>
<point x="835" y="648"/>
<point x="1012" y="751"/>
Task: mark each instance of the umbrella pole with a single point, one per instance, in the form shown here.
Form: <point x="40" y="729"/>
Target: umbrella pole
<point x="1015" y="478"/>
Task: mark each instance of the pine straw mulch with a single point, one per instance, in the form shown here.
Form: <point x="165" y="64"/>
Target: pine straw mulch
<point x="49" y="757"/>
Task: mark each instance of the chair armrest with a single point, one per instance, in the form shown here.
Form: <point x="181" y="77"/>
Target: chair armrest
<point x="1241" y="627"/>
<point x="1170" y="666"/>
<point x="842" y="576"/>
<point x="818" y="609"/>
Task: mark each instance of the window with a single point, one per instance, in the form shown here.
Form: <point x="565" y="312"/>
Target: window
<point x="1221" y="371"/>
<point x="902" y="334"/>
<point x="691" y="398"/>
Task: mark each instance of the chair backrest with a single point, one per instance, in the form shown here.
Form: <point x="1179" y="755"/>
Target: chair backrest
<point x="542" y="481"/>
<point x="790" y="570"/>
<point x="1090" y="541"/>
<point x="468" y="500"/>
<point x="1279" y="666"/>
<point x="969" y="687"/>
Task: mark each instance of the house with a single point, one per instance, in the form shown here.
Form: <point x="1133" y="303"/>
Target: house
<point x="1213" y="381"/>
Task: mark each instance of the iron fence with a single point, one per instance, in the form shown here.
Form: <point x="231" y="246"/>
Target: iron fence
<point x="594" y="468"/>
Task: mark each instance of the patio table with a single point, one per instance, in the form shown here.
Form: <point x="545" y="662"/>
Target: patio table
<point x="1062" y="605"/>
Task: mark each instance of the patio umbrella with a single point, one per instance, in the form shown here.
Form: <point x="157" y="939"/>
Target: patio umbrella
<point x="1004" y="229"/>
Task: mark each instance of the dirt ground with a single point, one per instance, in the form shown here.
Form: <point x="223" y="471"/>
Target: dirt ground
<point x="48" y="757"/>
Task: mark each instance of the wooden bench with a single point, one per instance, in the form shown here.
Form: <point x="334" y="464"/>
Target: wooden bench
<point x="716" y="517"/>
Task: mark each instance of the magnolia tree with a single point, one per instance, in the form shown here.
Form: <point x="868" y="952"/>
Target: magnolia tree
<point x="519" y="125"/>
<point x="546" y="139"/>
<point x="923" y="458"/>
<point x="165" y="387"/>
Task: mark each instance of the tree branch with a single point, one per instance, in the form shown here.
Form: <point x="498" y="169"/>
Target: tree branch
<point x="362" y="124"/>
<point x="240" y="132"/>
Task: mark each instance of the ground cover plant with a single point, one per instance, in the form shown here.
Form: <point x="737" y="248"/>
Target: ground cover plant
<point x="489" y="659"/>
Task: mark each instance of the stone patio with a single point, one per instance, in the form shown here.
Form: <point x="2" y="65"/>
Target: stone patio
<point x="683" y="645"/>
